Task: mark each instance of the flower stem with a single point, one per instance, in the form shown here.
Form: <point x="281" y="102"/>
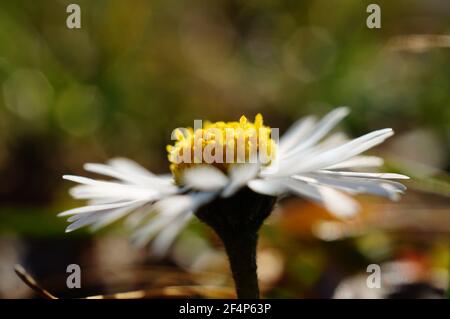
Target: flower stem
<point x="241" y="251"/>
<point x="237" y="220"/>
<point x="448" y="274"/>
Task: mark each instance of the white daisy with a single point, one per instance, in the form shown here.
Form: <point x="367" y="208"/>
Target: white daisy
<point x="308" y="163"/>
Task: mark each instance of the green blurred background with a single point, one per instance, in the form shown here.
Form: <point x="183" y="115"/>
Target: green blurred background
<point x="137" y="69"/>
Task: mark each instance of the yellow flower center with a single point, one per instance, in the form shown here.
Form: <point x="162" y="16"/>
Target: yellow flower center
<point x="221" y="144"/>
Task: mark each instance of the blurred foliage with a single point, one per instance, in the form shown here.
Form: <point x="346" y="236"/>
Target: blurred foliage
<point x="133" y="72"/>
<point x="136" y="70"/>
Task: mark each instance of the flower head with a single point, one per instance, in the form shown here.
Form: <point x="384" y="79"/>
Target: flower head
<point x="309" y="163"/>
<point x="220" y="144"/>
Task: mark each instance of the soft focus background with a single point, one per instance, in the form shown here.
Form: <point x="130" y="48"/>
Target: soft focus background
<point x="138" y="69"/>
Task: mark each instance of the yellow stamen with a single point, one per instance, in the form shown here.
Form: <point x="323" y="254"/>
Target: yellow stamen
<point x="227" y="143"/>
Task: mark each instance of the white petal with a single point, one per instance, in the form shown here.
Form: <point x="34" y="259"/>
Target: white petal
<point x="118" y="192"/>
<point x="164" y="239"/>
<point x="296" y="133"/>
<point x="271" y="187"/>
<point x="95" y="208"/>
<point x="105" y="200"/>
<point x="204" y="178"/>
<point x="168" y="210"/>
<point x="105" y="184"/>
<point x="356" y="185"/>
<point x="99" y="218"/>
<point x="367" y="175"/>
<point x="113" y="216"/>
<point x="334" y="201"/>
<point x="82" y="221"/>
<point x="138" y="216"/>
<point x="303" y="189"/>
<point x="327" y="123"/>
<point x="240" y="174"/>
<point x="358" y="161"/>
<point x="334" y="156"/>
<point x="106" y="170"/>
<point x="85" y="180"/>
<point x="332" y="141"/>
<point x="114" y="193"/>
<point x="146" y="233"/>
<point x="128" y="166"/>
<point x="124" y="174"/>
<point x="337" y="203"/>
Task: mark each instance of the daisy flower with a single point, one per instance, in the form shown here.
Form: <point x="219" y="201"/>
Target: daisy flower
<point x="233" y="191"/>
